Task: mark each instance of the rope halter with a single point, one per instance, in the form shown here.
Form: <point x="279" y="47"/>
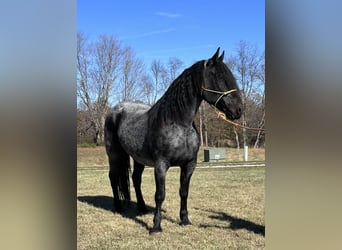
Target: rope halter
<point x="221" y="93"/>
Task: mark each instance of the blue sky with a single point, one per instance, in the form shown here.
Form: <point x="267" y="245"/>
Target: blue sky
<point x="189" y="30"/>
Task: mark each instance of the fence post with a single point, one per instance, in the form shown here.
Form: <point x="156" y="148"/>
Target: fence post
<point x="245" y="153"/>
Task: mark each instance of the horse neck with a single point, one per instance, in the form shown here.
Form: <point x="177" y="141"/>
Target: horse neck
<point x="181" y="101"/>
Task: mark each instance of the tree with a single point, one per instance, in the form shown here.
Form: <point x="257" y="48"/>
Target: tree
<point x="132" y="76"/>
<point x="248" y="68"/>
<point x="203" y="123"/>
<point x="147" y="89"/>
<point x="261" y="124"/>
<point x="97" y="71"/>
<point x="159" y="78"/>
<point x="85" y="129"/>
<point x="174" y="66"/>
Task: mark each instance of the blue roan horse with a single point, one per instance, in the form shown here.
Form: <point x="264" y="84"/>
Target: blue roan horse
<point x="164" y="135"/>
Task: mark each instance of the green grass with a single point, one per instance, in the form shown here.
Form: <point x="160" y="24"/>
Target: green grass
<point x="226" y="207"/>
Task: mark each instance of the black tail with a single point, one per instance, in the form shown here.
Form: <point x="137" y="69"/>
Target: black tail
<point x="118" y="160"/>
<point x="124" y="186"/>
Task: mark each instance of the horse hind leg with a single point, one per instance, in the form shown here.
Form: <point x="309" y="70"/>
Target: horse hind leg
<point x="114" y="182"/>
<point x="119" y="178"/>
<point x="118" y="162"/>
<point x="136" y="176"/>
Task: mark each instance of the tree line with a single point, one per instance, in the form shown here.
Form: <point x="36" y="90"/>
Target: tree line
<point x="109" y="72"/>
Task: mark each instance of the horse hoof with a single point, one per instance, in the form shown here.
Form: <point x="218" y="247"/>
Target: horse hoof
<point x="155" y="232"/>
<point x="185" y="223"/>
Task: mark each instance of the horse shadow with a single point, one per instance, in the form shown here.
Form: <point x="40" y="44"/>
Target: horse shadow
<point x="130" y="211"/>
<point x="234" y="223"/>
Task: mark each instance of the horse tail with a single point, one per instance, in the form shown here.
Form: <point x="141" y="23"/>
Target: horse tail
<point x="118" y="158"/>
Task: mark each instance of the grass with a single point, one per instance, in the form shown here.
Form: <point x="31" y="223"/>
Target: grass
<point x="96" y="157"/>
<point x="226" y="207"/>
<point x="91" y="157"/>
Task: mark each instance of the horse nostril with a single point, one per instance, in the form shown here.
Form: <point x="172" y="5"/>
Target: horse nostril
<point x="239" y="111"/>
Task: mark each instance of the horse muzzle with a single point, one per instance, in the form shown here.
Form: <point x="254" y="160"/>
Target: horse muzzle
<point x="233" y="114"/>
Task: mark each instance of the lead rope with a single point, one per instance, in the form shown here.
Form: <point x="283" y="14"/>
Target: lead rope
<point x="223" y="117"/>
<point x="221" y="114"/>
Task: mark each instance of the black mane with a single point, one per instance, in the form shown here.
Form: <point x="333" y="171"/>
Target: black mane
<point x="174" y="104"/>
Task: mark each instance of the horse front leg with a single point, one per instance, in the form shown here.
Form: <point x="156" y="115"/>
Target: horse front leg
<point x="160" y="170"/>
<point x="186" y="173"/>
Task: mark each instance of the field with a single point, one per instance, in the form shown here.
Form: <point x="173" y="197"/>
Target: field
<point x="96" y="157"/>
<point x="226" y="208"/>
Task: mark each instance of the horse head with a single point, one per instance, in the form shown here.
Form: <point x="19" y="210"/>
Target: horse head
<point x="220" y="88"/>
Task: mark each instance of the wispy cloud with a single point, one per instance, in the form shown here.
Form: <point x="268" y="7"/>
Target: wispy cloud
<point x="168" y="14"/>
<point x="150" y="33"/>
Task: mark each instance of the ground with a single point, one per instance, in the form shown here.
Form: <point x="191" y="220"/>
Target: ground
<point x="226" y="207"/>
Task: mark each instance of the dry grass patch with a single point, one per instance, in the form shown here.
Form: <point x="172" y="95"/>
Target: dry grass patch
<point x="96" y="157"/>
<point x="226" y="207"/>
<point x="91" y="157"/>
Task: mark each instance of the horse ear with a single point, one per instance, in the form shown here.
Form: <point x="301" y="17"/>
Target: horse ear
<point x="213" y="60"/>
<point x="221" y="57"/>
<point x="215" y="56"/>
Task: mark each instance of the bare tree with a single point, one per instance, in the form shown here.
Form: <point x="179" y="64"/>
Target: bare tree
<point x="174" y="66"/>
<point x="84" y="81"/>
<point x="97" y="68"/>
<point x="83" y="67"/>
<point x="201" y="114"/>
<point x="132" y="75"/>
<point x="162" y="77"/>
<point x="147" y="89"/>
<point x="261" y="124"/>
<point x="247" y="66"/>
<point x="85" y="129"/>
<point x="204" y="111"/>
<point x="159" y="78"/>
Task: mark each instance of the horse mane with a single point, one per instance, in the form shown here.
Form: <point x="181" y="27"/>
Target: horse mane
<point x="175" y="102"/>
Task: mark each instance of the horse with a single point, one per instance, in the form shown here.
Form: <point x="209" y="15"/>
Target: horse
<point x="165" y="135"/>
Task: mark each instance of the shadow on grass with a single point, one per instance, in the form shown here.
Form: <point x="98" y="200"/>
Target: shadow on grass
<point x="130" y="212"/>
<point x="234" y="223"/>
<point x="106" y="203"/>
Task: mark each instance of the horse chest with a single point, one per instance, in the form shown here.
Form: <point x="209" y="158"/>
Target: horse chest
<point x="177" y="143"/>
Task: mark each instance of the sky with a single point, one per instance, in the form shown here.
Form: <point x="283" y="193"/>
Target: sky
<point x="188" y="30"/>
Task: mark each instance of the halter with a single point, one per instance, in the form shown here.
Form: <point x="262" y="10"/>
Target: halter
<point x="221" y="93"/>
<point x="219" y="113"/>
